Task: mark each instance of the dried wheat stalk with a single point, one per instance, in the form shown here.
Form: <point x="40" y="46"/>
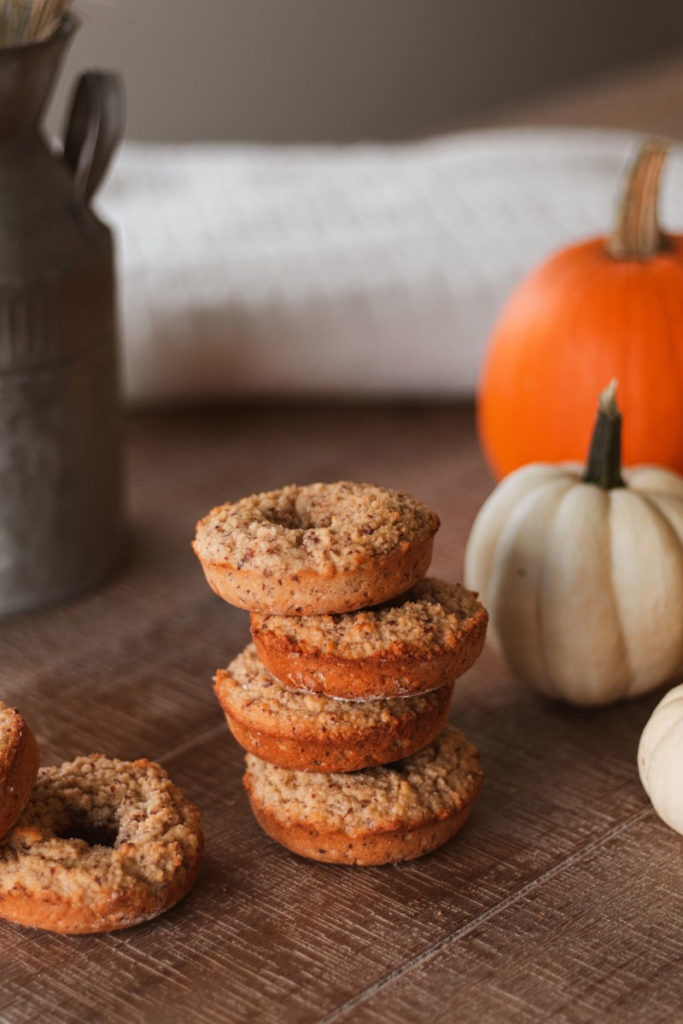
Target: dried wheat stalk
<point x="29" y="21"/>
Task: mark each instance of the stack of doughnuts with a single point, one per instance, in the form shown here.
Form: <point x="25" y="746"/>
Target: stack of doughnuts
<point x="342" y="698"/>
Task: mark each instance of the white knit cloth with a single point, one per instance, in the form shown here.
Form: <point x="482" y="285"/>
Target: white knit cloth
<point x="357" y="270"/>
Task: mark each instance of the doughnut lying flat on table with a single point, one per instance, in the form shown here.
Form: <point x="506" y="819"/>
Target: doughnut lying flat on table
<point x="102" y="844"/>
<point x="317" y="548"/>
<point x="423" y="639"/>
<point x="18" y="766"/>
<point x="311" y="732"/>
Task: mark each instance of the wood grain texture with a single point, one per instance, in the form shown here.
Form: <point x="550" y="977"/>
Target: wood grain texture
<point x="560" y="899"/>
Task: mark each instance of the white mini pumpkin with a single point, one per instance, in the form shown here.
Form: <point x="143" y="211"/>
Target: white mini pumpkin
<point x="583" y="581"/>
<point x="660" y="758"/>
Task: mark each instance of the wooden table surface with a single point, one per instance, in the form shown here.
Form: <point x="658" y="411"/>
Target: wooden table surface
<point x="560" y="899"/>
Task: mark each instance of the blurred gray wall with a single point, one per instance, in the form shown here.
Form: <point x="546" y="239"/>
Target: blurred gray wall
<point x="295" y="70"/>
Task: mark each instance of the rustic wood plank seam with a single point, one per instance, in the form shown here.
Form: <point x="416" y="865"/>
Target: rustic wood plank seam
<point x="487" y="915"/>
<point x="196" y="741"/>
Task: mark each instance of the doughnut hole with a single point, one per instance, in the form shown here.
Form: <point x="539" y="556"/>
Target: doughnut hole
<point x="299" y="513"/>
<point x="89" y="830"/>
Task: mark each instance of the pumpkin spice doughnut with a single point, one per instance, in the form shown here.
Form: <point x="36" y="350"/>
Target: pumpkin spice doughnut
<point x="310" y="732"/>
<point x="102" y="844"/>
<point x="18" y="766"/>
<point x="318" y="548"/>
<point x="377" y="816"/>
<point x="414" y="643"/>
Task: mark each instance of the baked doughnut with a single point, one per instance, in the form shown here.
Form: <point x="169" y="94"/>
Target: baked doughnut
<point x="311" y="732"/>
<point x="318" y="548"/>
<point x="102" y="844"/>
<point x="417" y="642"/>
<point x="391" y="813"/>
<point x="18" y="766"/>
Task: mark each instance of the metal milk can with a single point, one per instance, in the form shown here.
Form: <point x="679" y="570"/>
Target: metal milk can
<point x="61" y="487"/>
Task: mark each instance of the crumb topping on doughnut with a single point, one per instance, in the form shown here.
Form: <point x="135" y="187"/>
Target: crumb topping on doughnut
<point x="10" y="733"/>
<point x="154" y="831"/>
<point x="324" y="528"/>
<point x="248" y="690"/>
<point x="429" y="617"/>
<point x="441" y="778"/>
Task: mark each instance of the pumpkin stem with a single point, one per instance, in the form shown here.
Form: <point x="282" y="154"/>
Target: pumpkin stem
<point x="604" y="454"/>
<point x="637" y="235"/>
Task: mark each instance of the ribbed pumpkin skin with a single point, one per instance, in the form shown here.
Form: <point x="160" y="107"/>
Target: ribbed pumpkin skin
<point x="576" y="322"/>
<point x="583" y="585"/>
<point x="660" y="758"/>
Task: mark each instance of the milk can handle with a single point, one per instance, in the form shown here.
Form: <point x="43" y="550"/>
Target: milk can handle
<point x="93" y="130"/>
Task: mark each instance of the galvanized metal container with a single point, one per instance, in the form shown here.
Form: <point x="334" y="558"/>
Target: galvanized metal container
<point x="61" y="482"/>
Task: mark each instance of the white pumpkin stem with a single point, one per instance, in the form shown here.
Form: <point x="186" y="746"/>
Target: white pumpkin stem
<point x="637" y="235"/>
<point x="604" y="455"/>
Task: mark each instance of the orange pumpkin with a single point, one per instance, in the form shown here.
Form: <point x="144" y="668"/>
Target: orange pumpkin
<point x="610" y="307"/>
